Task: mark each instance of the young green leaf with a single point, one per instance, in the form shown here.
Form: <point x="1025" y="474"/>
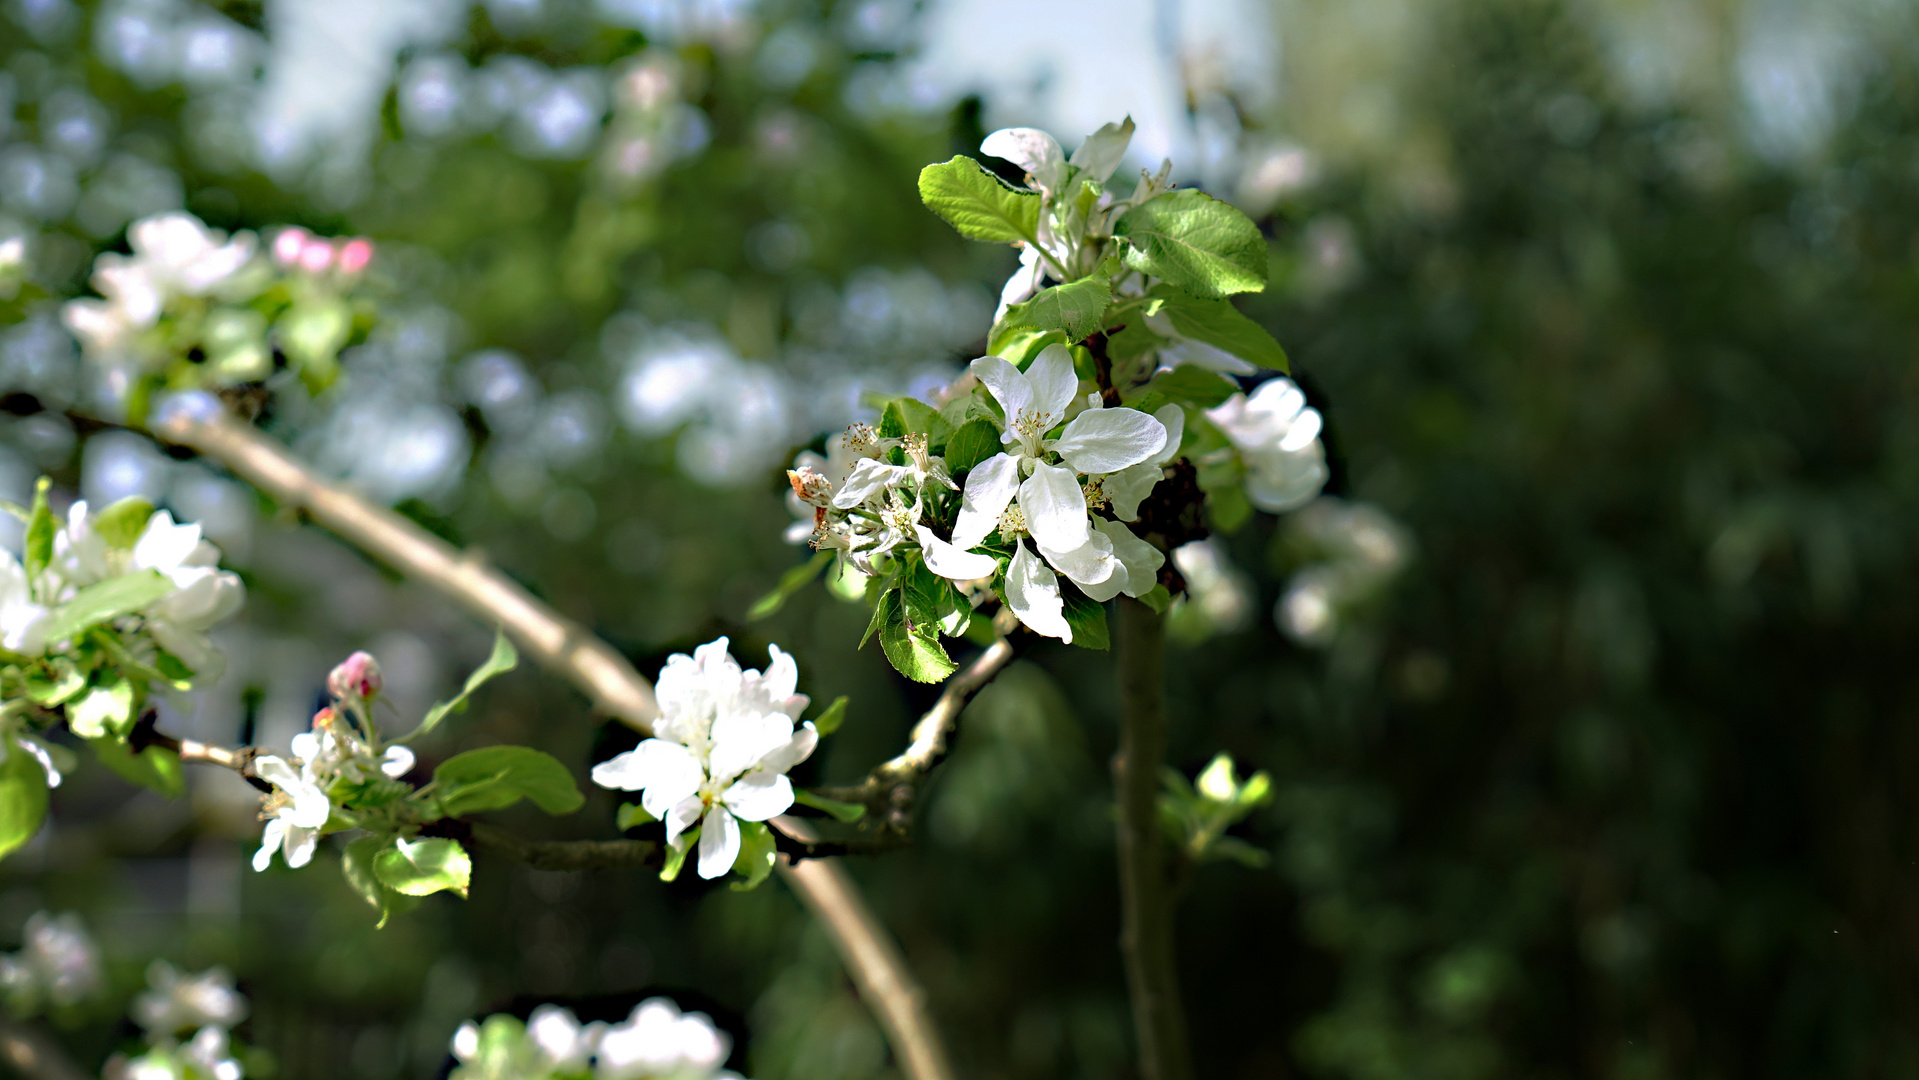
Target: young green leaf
<point x="57" y="686"/>
<point x="1194" y="241"/>
<point x="495" y="777"/>
<point x="829" y="721"/>
<point x="1078" y="308"/>
<point x="153" y="767"/>
<point x="40" y="530"/>
<point x="1016" y="340"/>
<point x="632" y="816"/>
<point x="1219" y="324"/>
<point x="974" y="442"/>
<point x="503" y="659"/>
<point x="1185" y="384"/>
<point x="755" y="859"/>
<point x="911" y="416"/>
<point x="357" y="863"/>
<point x="23" y="797"/>
<point x="121" y="524"/>
<point x="1087" y="617"/>
<point x="676" y="856"/>
<point x="424" y="867"/>
<point x="1158" y="599"/>
<point x="915" y="650"/>
<point x="844" y="811"/>
<point x="976" y="203"/>
<point x="105" y="600"/>
<point x="795" y="579"/>
<point x="886" y="610"/>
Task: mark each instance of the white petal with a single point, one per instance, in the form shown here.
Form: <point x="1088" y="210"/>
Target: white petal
<point x="950" y="562"/>
<point x="1108" y="440"/>
<point x="1305" y="428"/>
<point x="1055" y="508"/>
<point x="1100" y="154"/>
<point x="989" y="487"/>
<point x="164" y="545"/>
<point x="1141" y="559"/>
<point x="759" y="795"/>
<point x="300" y="844"/>
<point x="870" y="477"/>
<point x="741" y="739"/>
<point x="275" y="770"/>
<point x="311" y="807"/>
<point x="1130" y="487"/>
<point x="797" y="749"/>
<point x="1089" y="565"/>
<point x="782" y="674"/>
<point x="1054" y="383"/>
<point x="1031" y="149"/>
<point x="667" y="771"/>
<point x="1008" y="386"/>
<point x="719" y="843"/>
<point x="270" y="840"/>
<point x="681" y="816"/>
<point x="1032" y="591"/>
<point x="466" y="1041"/>
<point x="397" y="762"/>
<point x="1173" y="419"/>
<point x="1023" y="284"/>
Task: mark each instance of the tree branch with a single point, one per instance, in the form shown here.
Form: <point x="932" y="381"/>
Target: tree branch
<point x="607" y="678"/>
<point x="566" y="854"/>
<point x="1146" y="904"/>
<point x="872" y="958"/>
<point x="552" y="640"/>
<point x="888" y="792"/>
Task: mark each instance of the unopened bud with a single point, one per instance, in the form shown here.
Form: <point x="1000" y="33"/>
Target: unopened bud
<point x="358" y="676"/>
<point x="316" y="256"/>
<point x="324" y="718"/>
<point x="355" y="254"/>
<point x="288" y="245"/>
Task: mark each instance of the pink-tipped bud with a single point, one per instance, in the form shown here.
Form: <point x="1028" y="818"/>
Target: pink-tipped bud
<point x="316" y="256"/>
<point x="324" y="718"/>
<point x="289" y="244"/>
<point x="355" y="254"/>
<point x="358" y="676"/>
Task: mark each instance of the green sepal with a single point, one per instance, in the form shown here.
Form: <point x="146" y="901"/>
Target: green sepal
<point x="755" y="859"/>
<point x="977" y="203"/>
<point x="503" y="659"/>
<point x="154" y="767"/>
<point x="1087" y="617"/>
<point x="830" y="719"/>
<point x="795" y="579"/>
<point x="843" y="811"/>
<point x="23" y="797"/>
<point x="40" y="529"/>
<point x="424" y="867"/>
<point x="975" y="441"/>
<point x="496" y="777"/>
<point x="676" y="856"/>
<point x="1196" y="242"/>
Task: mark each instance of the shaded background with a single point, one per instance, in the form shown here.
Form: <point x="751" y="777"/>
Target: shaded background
<point x="1610" y="305"/>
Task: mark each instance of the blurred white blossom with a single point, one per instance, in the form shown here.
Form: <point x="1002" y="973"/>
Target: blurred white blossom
<point x="1277" y="436"/>
<point x="57" y="965"/>
<point x="1353" y="550"/>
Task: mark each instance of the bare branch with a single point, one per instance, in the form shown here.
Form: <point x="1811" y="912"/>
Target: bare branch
<point x="889" y="790"/>
<point x="552" y="640"/>
<point x="872" y="958"/>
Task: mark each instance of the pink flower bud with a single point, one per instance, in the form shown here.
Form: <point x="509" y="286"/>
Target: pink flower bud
<point x="358" y="676"/>
<point x="316" y="256"/>
<point x="324" y="718"/>
<point x="288" y="245"/>
<point x="355" y="254"/>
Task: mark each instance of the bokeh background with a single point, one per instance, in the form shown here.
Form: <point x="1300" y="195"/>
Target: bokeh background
<point x="1611" y="308"/>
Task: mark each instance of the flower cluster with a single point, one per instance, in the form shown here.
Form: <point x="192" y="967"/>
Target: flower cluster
<point x="187" y="1021"/>
<point x="1276" y="439"/>
<point x="716" y="767"/>
<point x="192" y="306"/>
<point x="1351" y="551"/>
<point x="655" y="1042"/>
<point x="57" y="966"/>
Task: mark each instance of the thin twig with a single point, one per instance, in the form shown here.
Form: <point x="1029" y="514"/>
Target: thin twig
<point x="889" y="790"/>
<point x="1146" y="903"/>
<point x="32" y="1053"/>
<point x="566" y="854"/>
<point x="871" y="956"/>
<point x="608" y="679"/>
<point x="554" y="641"/>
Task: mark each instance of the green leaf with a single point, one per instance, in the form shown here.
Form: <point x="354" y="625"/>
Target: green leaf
<point x="756" y="855"/>
<point x="357" y="864"/>
<point x="676" y="856"/>
<point x="1226" y="847"/>
<point x="973" y="443"/>
<point x="1078" y="308"/>
<point x="1016" y="340"/>
<point x="495" y="777"/>
<point x="795" y="579"/>
<point x="829" y="721"/>
<point x="885" y="610"/>
<point x="1219" y="324"/>
<point x="632" y="816"/>
<point x="121" y="524"/>
<point x="54" y="687"/>
<point x="40" y="530"/>
<point x="153" y="767"/>
<point x="911" y="416"/>
<point x="104" y="600"/>
<point x="844" y="811"/>
<point x="1228" y="508"/>
<point x="424" y="867"/>
<point x="23" y="797"/>
<point x="914" y="648"/>
<point x="1087" y="617"/>
<point x="1186" y="384"/>
<point x="1158" y="599"/>
<point x="1194" y="241"/>
<point x="503" y="659"/>
<point x="106" y="708"/>
<point x="976" y="203"/>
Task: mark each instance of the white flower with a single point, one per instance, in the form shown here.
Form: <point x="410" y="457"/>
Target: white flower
<point x="175" y="1001"/>
<point x="1277" y="436"/>
<point x="22" y="621"/>
<point x="203" y="595"/>
<point x="562" y="1040"/>
<point x="207" y="1056"/>
<point x="294" y="814"/>
<point x="658" y="1042"/>
<point x="721" y="748"/>
<point x="173" y="255"/>
<point x="1033" y="150"/>
<point x="58" y="962"/>
<point x="1129" y="487"/>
